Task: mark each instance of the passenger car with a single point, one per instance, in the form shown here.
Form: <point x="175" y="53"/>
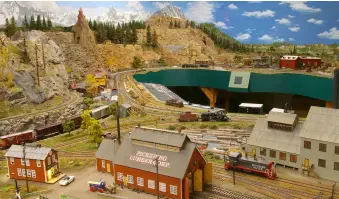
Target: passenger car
<point x="66" y="180"/>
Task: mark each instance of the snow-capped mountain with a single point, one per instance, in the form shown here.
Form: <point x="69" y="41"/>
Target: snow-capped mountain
<point x="170" y="11"/>
<point x="64" y="16"/>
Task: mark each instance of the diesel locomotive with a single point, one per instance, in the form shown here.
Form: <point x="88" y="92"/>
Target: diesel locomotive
<point x="236" y="161"/>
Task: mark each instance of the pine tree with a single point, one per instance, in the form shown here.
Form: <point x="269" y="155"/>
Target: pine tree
<point x="7" y="27"/>
<point x="95" y="25"/>
<point x="38" y="23"/>
<point x="134" y="37"/>
<point x="11" y="28"/>
<point x="187" y="23"/>
<point x="44" y="24"/>
<point x="154" y="39"/>
<point x="49" y="24"/>
<point x="32" y="25"/>
<point x="192" y="24"/>
<point x="175" y="24"/>
<point x="90" y="24"/>
<point x="294" y="50"/>
<point x="26" y="24"/>
<point x="171" y="24"/>
<point x="149" y="35"/>
<point x="118" y="34"/>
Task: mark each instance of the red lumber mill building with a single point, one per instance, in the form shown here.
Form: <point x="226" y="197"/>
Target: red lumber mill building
<point x="182" y="168"/>
<point x="291" y="61"/>
<point x="41" y="163"/>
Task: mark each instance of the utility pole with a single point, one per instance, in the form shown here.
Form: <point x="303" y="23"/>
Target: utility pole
<point x="43" y="54"/>
<point x="233" y="175"/>
<point x="333" y="190"/>
<point x="37" y="64"/>
<point x="17" y="190"/>
<point x="156" y="165"/>
<point x="118" y="115"/>
<point x="24" y="154"/>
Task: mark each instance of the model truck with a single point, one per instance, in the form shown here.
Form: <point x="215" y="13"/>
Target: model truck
<point x="188" y="117"/>
<point x="101" y="187"/>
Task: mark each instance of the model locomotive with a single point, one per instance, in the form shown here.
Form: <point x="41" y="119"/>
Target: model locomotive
<point x="207" y="116"/>
<point x="236" y="160"/>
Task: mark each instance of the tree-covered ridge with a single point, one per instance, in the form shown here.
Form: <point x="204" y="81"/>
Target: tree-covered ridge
<point x="221" y="39"/>
<point x="124" y="33"/>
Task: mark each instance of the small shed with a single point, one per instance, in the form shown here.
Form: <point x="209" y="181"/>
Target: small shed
<point x="124" y="110"/>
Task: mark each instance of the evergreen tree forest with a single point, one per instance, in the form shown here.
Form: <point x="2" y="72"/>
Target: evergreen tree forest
<point x="11" y="26"/>
<point x="124" y="33"/>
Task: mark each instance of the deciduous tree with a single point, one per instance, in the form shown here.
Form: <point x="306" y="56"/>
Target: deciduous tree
<point x="95" y="131"/>
<point x="68" y="126"/>
<point x="86" y="119"/>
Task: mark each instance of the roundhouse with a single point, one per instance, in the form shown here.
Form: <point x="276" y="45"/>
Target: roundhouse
<point x="182" y="168"/>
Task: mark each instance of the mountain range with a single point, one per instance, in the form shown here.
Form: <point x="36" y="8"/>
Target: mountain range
<point x="58" y="16"/>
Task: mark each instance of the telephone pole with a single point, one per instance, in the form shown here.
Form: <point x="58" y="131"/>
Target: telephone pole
<point x="43" y="54"/>
<point x="117" y="113"/>
<point x="156" y="165"/>
<point x="24" y="154"/>
<point x="37" y="64"/>
<point x="333" y="190"/>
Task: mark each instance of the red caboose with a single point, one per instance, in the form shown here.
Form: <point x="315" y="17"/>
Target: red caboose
<point x="188" y="117"/>
<point x="17" y="138"/>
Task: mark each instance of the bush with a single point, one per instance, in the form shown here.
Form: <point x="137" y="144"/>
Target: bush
<point x="88" y="101"/>
<point x="183" y="127"/>
<point x="162" y="62"/>
<point x="171" y="128"/>
<point x="208" y="153"/>
<point x="136" y="62"/>
<point x="203" y="126"/>
<point x="213" y="127"/>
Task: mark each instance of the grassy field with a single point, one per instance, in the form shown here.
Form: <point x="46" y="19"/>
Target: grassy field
<point x="50" y="142"/>
<point x="7" y="191"/>
<point x="83" y="146"/>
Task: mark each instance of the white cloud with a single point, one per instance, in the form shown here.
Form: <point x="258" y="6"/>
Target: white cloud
<point x="242" y="36"/>
<point x="200" y="11"/>
<point x="222" y="25"/>
<point x="283" y="21"/>
<point x="249" y="30"/>
<point x="291" y="39"/>
<point x="160" y="5"/>
<point x="134" y="5"/>
<point x="232" y="7"/>
<point x="266" y="38"/>
<point x="332" y="34"/>
<point x="300" y="6"/>
<point x="277" y="39"/>
<point x="254" y="1"/>
<point x="273" y="27"/>
<point x="294" y="29"/>
<point x="259" y="14"/>
<point x="291" y="16"/>
<point x="314" y="21"/>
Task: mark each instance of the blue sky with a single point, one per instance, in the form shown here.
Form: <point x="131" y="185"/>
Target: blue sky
<point x="249" y="22"/>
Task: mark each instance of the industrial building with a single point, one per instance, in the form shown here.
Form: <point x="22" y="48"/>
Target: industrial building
<point x="291" y="61"/>
<point x="41" y="163"/>
<point x="319" y="150"/>
<point x="182" y="168"/>
<point x="276" y="139"/>
<point x="312" y="146"/>
<point x="105" y="154"/>
<point x="125" y="110"/>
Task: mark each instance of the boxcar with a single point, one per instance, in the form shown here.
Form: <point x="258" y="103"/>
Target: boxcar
<point x="48" y="130"/>
<point x="100" y="112"/>
<point x="17" y="138"/>
<point x="188" y="117"/>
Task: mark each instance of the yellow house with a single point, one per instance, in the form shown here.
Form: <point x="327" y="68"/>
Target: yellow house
<point x="100" y="77"/>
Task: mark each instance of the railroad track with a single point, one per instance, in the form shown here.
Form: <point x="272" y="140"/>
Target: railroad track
<point x="215" y="192"/>
<point x="272" y="188"/>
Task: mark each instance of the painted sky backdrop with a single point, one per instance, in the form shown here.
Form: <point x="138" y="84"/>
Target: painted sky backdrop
<point x="249" y="22"/>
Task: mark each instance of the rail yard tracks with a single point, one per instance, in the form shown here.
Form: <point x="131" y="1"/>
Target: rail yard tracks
<point x="215" y="192"/>
<point x="274" y="189"/>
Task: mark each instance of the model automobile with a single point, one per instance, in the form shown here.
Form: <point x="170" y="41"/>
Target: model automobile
<point x="66" y="180"/>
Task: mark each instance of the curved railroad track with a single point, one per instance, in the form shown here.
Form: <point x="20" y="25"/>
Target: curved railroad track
<point x="74" y="98"/>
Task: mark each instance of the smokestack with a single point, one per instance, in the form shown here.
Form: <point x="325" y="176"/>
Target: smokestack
<point x="335" y="89"/>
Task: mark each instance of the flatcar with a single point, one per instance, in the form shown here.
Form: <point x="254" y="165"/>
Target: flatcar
<point x="250" y="165"/>
<point x="17" y="138"/>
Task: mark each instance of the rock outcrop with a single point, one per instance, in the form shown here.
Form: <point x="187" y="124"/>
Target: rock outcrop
<point x="83" y="35"/>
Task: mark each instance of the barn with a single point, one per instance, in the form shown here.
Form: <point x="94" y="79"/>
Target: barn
<point x="182" y="168"/>
<point x="289" y="61"/>
<point x="313" y="62"/>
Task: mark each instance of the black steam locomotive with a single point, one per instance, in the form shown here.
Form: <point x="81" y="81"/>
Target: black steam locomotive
<point x="215" y="116"/>
<point x="236" y="160"/>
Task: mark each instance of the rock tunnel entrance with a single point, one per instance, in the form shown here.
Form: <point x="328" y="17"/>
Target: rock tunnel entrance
<point x="300" y="104"/>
